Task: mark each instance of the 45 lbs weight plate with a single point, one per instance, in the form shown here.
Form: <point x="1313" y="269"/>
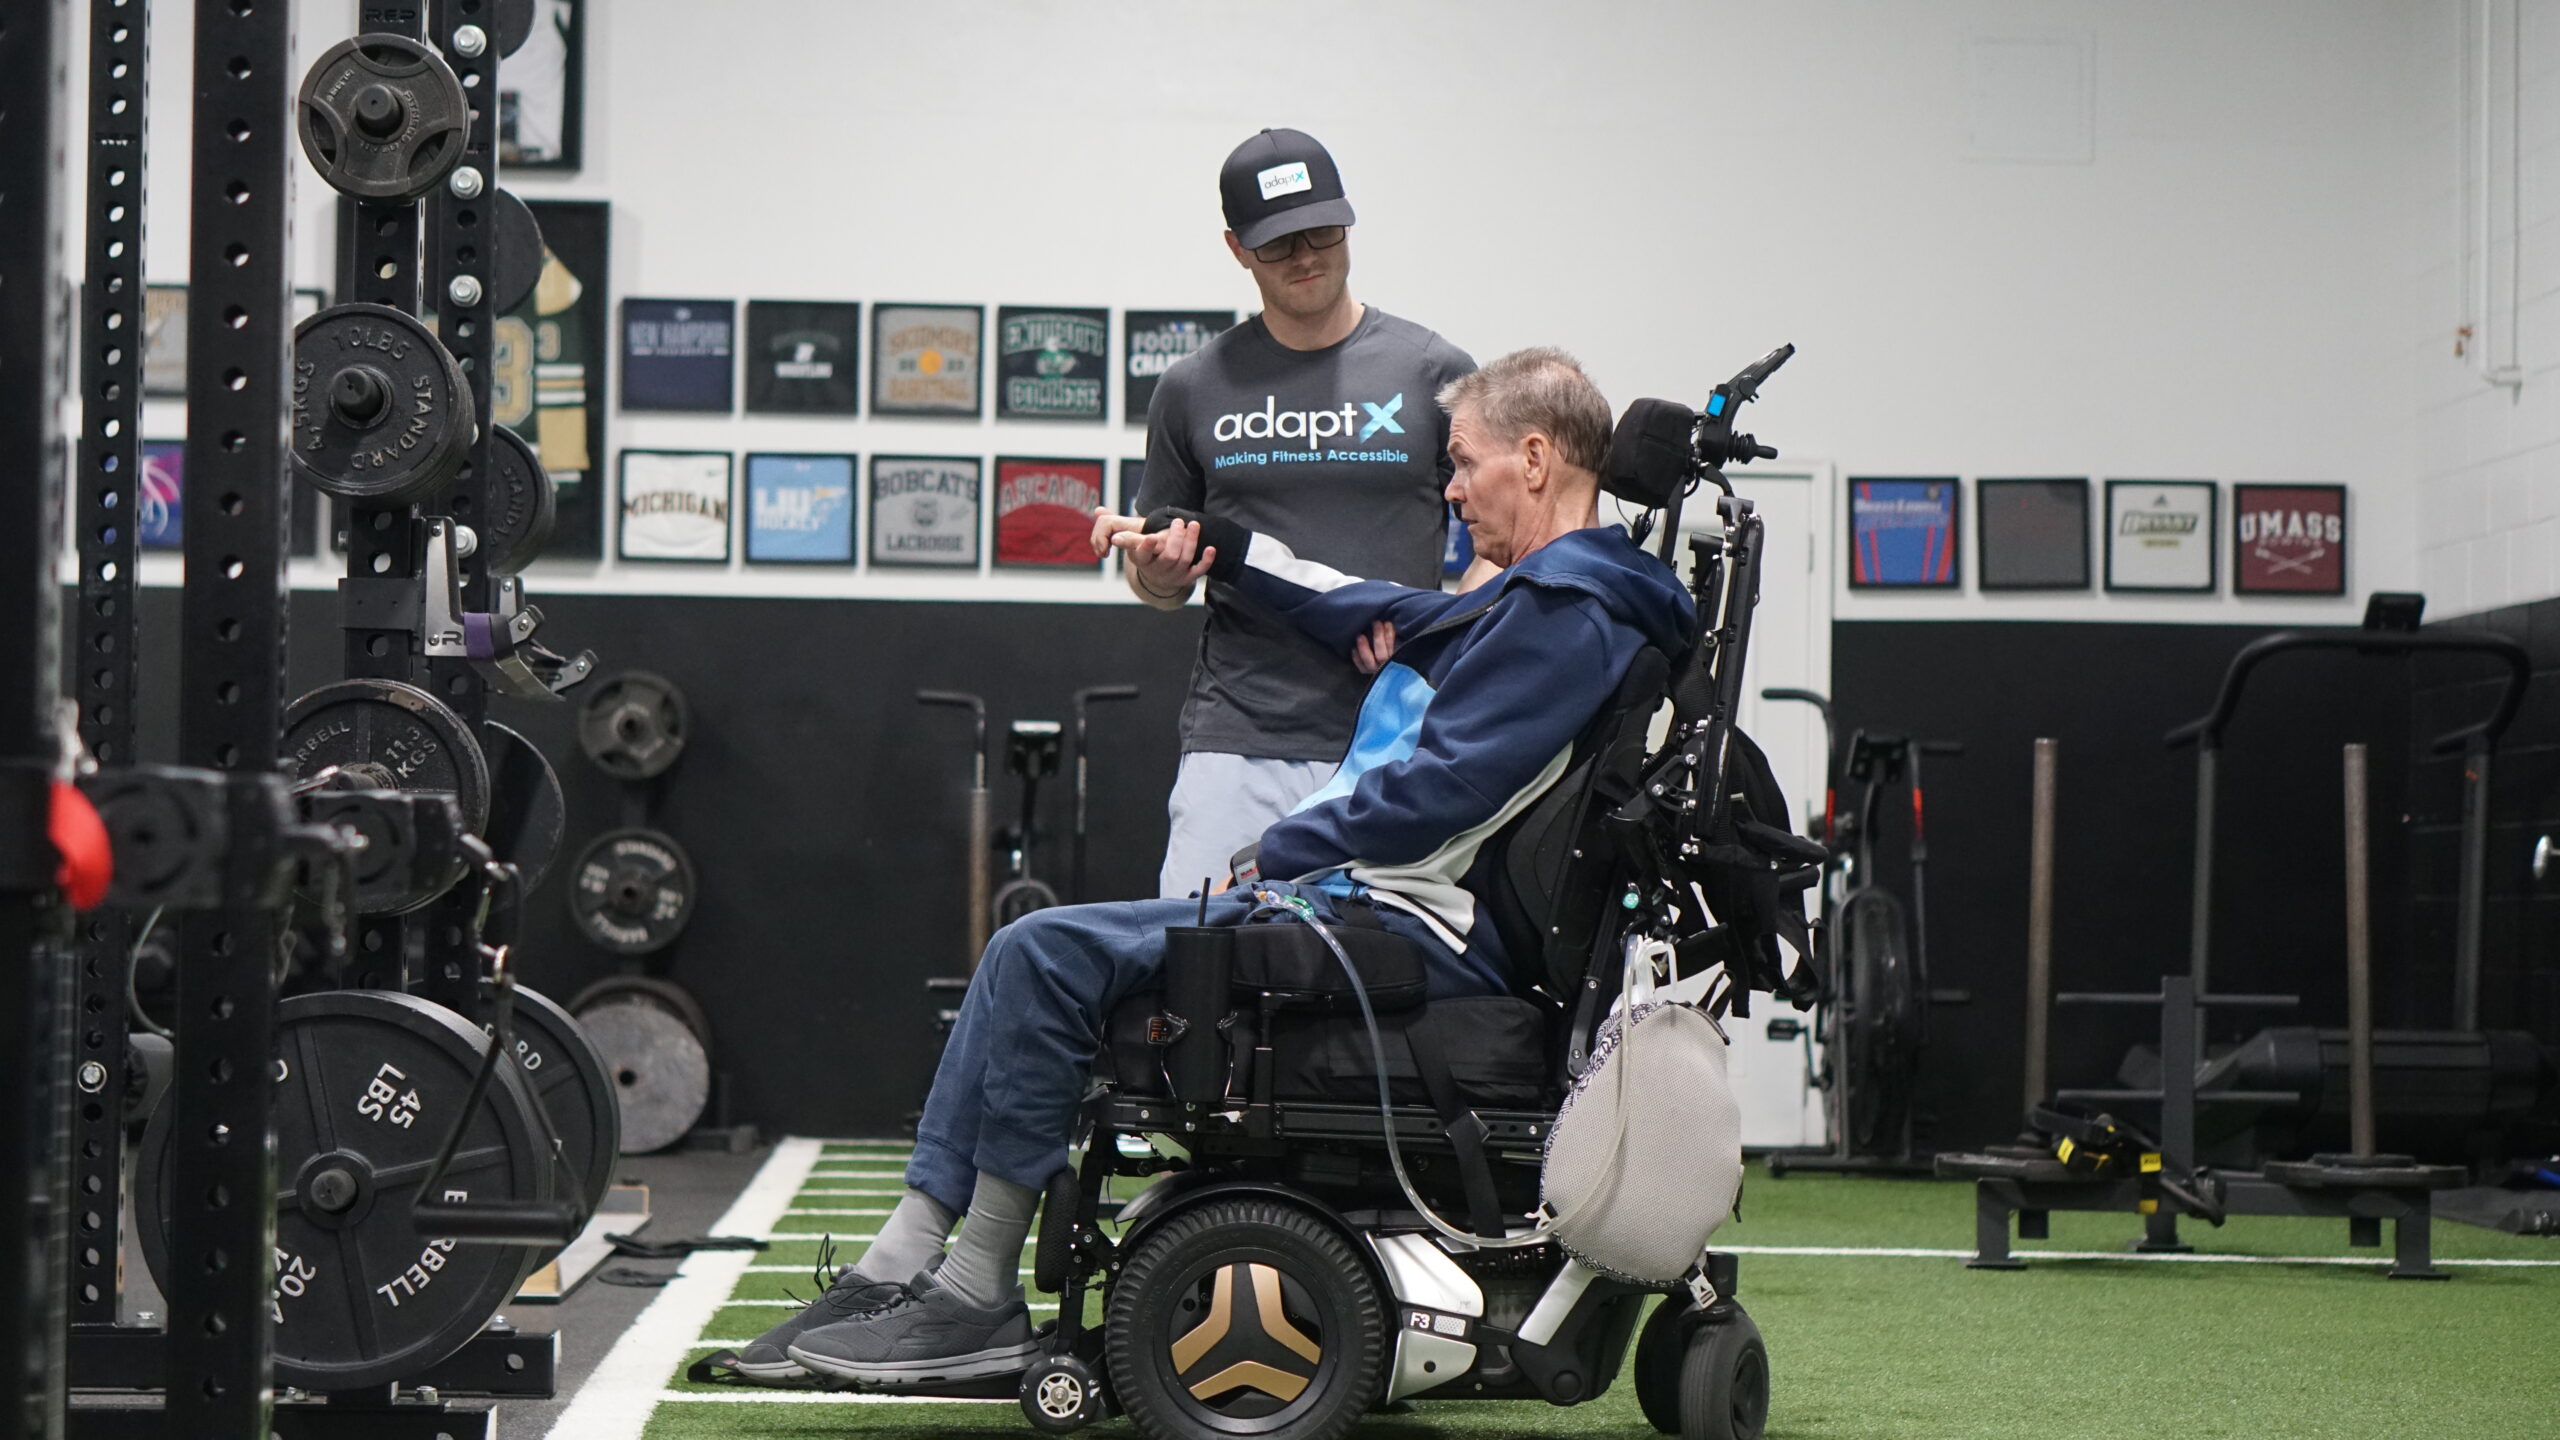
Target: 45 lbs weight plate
<point x="382" y="117"/>
<point x="367" y="1082"/>
<point x="381" y="412"/>
<point x="392" y="737"/>
<point x="564" y="1069"/>
<point x="633" y="891"/>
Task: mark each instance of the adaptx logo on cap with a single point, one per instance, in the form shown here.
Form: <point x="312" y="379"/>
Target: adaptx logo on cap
<point x="1278" y="183"/>
<point x="1287" y="179"/>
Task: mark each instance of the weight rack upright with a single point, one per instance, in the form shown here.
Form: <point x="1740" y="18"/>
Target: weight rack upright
<point x="33" y="935"/>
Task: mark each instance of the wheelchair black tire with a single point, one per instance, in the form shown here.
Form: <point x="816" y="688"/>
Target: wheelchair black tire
<point x="1052" y="1251"/>
<point x="1659" y="1358"/>
<point x="1724" y="1382"/>
<point x="1319" y="1279"/>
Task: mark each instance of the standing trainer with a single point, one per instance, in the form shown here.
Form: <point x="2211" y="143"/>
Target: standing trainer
<point x="1315" y="422"/>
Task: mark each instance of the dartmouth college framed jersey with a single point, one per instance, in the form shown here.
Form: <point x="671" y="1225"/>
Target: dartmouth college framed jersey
<point x="1341" y="454"/>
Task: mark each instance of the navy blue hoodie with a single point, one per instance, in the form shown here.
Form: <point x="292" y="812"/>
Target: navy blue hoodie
<point x="1473" y="720"/>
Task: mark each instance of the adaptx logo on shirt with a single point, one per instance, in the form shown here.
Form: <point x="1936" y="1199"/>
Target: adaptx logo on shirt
<point x="1273" y="423"/>
<point x="1289" y="179"/>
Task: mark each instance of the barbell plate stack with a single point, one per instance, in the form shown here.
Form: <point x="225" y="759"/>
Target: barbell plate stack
<point x="367" y="1083"/>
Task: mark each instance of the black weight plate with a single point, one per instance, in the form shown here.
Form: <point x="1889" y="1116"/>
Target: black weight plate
<point x="660" y="1070"/>
<point x="382" y="117"/>
<point x="389" y="876"/>
<point x="634" y="725"/>
<point x="528" y="816"/>
<point x="380" y="410"/>
<point x="361" y="1299"/>
<point x="517" y="261"/>
<point x="515" y="25"/>
<point x="666" y="994"/>
<point x="566" y="1072"/>
<point x="633" y="891"/>
<point x="393" y="737"/>
<point x="523" y="505"/>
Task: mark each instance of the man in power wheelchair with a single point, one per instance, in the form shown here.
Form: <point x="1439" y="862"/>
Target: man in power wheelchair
<point x="1423" y="1019"/>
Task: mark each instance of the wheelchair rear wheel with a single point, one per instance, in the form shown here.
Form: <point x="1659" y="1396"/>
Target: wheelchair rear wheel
<point x="1245" y="1317"/>
<point x="1724" y="1382"/>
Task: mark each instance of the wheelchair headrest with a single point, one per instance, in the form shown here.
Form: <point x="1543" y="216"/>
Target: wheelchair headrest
<point x="1649" y="458"/>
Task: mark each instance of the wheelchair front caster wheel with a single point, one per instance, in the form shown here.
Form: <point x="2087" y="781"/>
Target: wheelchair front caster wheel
<point x="1724" y="1382"/>
<point x="1062" y="1394"/>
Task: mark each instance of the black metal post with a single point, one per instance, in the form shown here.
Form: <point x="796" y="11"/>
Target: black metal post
<point x="2474" y="883"/>
<point x="108" y="502"/>
<point x="32" y="933"/>
<point x="230" y="712"/>
<point x="461" y="261"/>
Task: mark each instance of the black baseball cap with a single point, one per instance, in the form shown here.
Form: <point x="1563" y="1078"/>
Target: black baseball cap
<point x="1279" y="183"/>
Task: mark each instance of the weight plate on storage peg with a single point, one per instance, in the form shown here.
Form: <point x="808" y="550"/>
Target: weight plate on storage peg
<point x="523" y="505"/>
<point x="566" y="1072"/>
<point x="634" y="725"/>
<point x="515" y="25"/>
<point x="381" y="412"/>
<point x="389" y="736"/>
<point x="517" y="263"/>
<point x="665" y="994"/>
<point x="382" y="117"/>
<point x="633" y="891"/>
<point x="528" y="815"/>
<point x="659" y="1067"/>
<point x="367" y="1083"/>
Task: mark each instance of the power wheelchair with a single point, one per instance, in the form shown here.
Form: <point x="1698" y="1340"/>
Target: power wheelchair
<point x="1277" y="1279"/>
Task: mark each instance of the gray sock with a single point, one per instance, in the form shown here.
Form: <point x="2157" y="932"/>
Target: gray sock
<point x="985" y="1267"/>
<point x="910" y="1241"/>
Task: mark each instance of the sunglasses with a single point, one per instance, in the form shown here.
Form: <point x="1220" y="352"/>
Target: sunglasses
<point x="1323" y="237"/>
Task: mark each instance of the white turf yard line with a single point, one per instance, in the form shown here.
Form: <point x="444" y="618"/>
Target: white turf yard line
<point x="2024" y="1253"/>
<point x="618" y="1398"/>
<point x="797" y="1211"/>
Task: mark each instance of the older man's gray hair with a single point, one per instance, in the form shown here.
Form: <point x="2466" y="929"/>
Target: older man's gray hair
<point x="1542" y="389"/>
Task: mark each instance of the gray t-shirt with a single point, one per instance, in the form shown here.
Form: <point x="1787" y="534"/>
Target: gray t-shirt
<point x="1339" y="453"/>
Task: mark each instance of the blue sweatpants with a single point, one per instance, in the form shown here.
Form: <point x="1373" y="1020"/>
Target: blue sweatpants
<point x="1016" y="1067"/>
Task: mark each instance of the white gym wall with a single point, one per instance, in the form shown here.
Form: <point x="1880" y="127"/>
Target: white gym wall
<point x="2214" y="239"/>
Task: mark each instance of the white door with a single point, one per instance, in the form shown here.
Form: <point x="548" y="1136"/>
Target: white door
<point x="1790" y="649"/>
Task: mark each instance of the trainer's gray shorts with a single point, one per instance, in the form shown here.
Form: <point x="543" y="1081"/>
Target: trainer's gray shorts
<point x="1222" y="803"/>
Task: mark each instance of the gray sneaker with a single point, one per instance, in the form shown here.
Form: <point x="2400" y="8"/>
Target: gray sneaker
<point x="927" y="1335"/>
<point x="847" y="1295"/>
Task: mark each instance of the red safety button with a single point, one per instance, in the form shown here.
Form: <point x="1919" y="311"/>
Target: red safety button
<point x="80" y="838"/>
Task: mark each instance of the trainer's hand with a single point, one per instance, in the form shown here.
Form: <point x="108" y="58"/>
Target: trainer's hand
<point x="1372" y="651"/>
<point x="1225" y="884"/>
<point x="1107" y="524"/>
<point x="1163" y="560"/>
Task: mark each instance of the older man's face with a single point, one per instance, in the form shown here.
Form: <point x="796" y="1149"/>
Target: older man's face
<point x="1490" y="487"/>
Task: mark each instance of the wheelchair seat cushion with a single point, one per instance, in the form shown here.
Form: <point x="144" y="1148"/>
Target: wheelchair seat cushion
<point x="1292" y="964"/>
<point x="1494" y="1045"/>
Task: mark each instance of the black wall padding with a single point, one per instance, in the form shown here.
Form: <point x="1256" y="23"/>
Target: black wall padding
<point x="823" y="808"/>
<point x="2127" y="818"/>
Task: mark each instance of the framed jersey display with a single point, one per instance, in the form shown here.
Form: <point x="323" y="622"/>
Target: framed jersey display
<point x="2033" y="534"/>
<point x="675" y="505"/>
<point x="679" y="355"/>
<point x="547" y="366"/>
<point x="1903" y="533"/>
<point x="164" y="340"/>
<point x="801" y="357"/>
<point x="800" y="509"/>
<point x="2160" y="535"/>
<point x="2289" y="539"/>
<point x="1051" y="363"/>
<point x="1151" y="341"/>
<point x="925" y="510"/>
<point x="924" y="359"/>
<point x="541" y="91"/>
<point x="1044" y="512"/>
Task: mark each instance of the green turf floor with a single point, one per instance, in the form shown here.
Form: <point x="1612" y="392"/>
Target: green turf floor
<point x="1903" y="1346"/>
